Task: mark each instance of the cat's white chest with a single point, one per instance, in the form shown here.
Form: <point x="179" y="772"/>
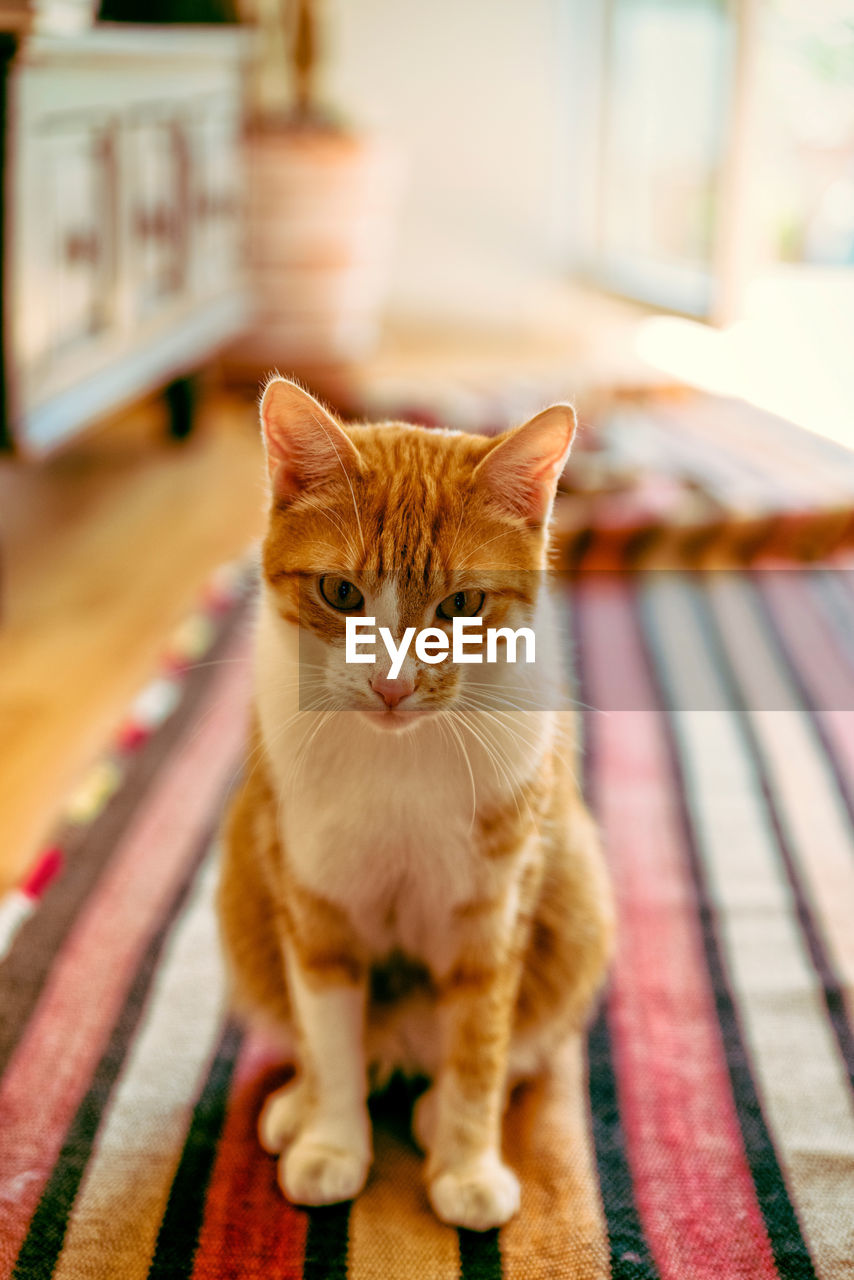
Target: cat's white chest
<point x="381" y="823"/>
<point x="396" y="852"/>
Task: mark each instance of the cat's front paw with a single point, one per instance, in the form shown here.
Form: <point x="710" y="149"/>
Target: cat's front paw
<point x="282" y="1116"/>
<point x="478" y="1195"/>
<point x="313" y="1172"/>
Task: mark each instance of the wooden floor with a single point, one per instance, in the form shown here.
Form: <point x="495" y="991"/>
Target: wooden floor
<point x="104" y="548"/>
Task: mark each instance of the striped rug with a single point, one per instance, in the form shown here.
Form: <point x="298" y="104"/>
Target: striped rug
<point x="717" y="1136"/>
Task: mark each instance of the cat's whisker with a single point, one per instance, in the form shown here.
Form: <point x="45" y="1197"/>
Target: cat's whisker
<point x="324" y="718"/>
<point x="256" y="756"/>
<point x="507" y="766"/>
<point x="535" y="706"/>
<point x="336" y="523"/>
<point x="466" y="726"/>
<point x="564" y="758"/>
<point x="499" y="735"/>
<point x="510" y="724"/>
<point x="318" y="715"/>
<point x="284" y="725"/>
<point x="539" y="705"/>
<point x="457" y="534"/>
<point x="329" y="549"/>
<point x="505" y="533"/>
<point x="513" y="730"/>
<point x="305" y="665"/>
<point x="458" y="737"/>
<point x="531" y="717"/>
<point x="492" y="749"/>
<point x="214" y="662"/>
<point x="518" y="718"/>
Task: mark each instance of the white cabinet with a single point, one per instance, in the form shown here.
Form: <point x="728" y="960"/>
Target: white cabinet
<point x="124" y="227"/>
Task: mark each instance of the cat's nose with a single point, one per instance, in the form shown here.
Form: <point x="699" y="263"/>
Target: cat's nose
<point x="392" y="692"/>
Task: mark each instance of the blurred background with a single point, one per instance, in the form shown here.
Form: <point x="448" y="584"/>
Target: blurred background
<point x="452" y="213"/>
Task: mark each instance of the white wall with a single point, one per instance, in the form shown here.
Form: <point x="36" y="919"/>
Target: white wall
<point x="474" y="94"/>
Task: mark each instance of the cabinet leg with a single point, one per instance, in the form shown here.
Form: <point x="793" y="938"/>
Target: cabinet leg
<point x="181" y="396"/>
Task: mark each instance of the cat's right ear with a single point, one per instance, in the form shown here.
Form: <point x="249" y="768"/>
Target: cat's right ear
<point x="305" y="445"/>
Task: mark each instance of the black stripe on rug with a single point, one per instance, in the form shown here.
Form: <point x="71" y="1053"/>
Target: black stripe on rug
<point x="88" y="850"/>
<point x="831" y="985"/>
<point x="178" y="1237"/>
<point x="480" y="1255"/>
<point x="45" y="1237"/>
<point x="630" y="1254"/>
<point x="631" y="1258"/>
<point x="791" y="1254"/>
<point x="327" y="1243"/>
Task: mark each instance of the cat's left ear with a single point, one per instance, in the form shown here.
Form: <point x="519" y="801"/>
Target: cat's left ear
<point x="305" y="445"/>
<point x="523" y="468"/>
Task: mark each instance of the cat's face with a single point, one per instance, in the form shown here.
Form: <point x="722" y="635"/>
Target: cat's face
<point x="412" y="528"/>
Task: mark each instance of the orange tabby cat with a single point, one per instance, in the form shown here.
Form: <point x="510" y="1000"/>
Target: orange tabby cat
<point x="411" y="878"/>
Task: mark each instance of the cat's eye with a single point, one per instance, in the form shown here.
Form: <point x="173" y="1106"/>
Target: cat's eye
<point x="462" y="604"/>
<point x="340" y="593"/>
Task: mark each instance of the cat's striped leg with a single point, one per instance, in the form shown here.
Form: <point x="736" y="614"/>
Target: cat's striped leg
<point x="469" y="1184"/>
<point x="330" y="1155"/>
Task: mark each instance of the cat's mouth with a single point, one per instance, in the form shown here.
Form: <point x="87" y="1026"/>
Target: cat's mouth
<point x="396" y="718"/>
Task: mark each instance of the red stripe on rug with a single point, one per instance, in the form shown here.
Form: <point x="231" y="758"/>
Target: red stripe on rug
<point x="52" y="1066"/>
<point x="249" y="1228"/>
<point x="692" y="1180"/>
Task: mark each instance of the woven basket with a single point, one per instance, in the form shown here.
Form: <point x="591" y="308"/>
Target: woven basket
<point x="322" y="208"/>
